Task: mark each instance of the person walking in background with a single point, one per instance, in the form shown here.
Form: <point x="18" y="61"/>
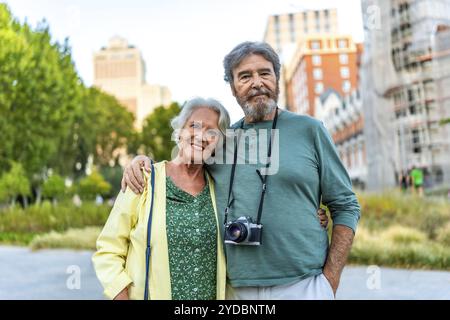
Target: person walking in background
<point x="404" y="181"/>
<point x="416" y="177"/>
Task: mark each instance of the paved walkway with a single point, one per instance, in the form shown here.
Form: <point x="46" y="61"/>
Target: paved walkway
<point x="66" y="274"/>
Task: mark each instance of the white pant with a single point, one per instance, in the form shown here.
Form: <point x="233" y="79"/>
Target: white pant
<point x="312" y="288"/>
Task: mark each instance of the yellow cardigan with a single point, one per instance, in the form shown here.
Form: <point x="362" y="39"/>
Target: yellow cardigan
<point x="120" y="258"/>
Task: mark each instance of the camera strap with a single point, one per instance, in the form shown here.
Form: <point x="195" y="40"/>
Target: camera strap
<point x="149" y="233"/>
<point x="261" y="176"/>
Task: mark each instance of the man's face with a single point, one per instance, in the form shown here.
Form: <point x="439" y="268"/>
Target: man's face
<point x="255" y="87"/>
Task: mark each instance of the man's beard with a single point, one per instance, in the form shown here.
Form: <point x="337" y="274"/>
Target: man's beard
<point x="260" y="110"/>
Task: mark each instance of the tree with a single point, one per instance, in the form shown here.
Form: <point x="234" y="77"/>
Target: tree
<point x="40" y="90"/>
<point x="14" y="184"/>
<point x="156" y="136"/>
<point x="54" y="187"/>
<point x="112" y="126"/>
<point x="93" y="185"/>
<point x="48" y="118"/>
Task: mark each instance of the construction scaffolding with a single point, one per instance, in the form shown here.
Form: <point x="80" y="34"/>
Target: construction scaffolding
<point x="404" y="74"/>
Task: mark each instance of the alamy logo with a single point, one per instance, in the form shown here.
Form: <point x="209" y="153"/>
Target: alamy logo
<point x="73" y="282"/>
<point x="215" y="147"/>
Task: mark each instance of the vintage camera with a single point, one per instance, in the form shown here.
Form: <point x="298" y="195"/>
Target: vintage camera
<point x="243" y="231"/>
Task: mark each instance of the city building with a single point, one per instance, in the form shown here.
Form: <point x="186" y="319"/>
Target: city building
<point x="321" y="62"/>
<point x="288" y="28"/>
<point x="284" y="31"/>
<point x="343" y="118"/>
<point x="119" y="70"/>
<point x="404" y="82"/>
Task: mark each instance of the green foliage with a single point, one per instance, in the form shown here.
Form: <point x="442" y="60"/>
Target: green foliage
<point x="103" y="128"/>
<point x="392" y="248"/>
<point x="54" y="187"/>
<point x="93" y="185"/>
<point x="40" y="90"/>
<point x="14" y="183"/>
<point x="79" y="239"/>
<point x="402" y="231"/>
<point x="156" y="136"/>
<point x="443" y="235"/>
<point x="425" y="214"/>
<point x="16" y="238"/>
<point x="48" y="118"/>
<point x="38" y="219"/>
<point x="113" y="175"/>
<point x="445" y="121"/>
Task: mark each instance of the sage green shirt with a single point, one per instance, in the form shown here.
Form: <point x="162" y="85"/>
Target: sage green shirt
<point x="294" y="245"/>
<point x="192" y="240"/>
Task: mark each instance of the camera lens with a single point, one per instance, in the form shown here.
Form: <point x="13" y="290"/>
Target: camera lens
<point x="237" y="232"/>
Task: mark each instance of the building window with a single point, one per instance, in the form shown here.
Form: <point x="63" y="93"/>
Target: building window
<point x="318" y="88"/>
<point x="316" y="60"/>
<point x="343" y="58"/>
<point x="342" y="43"/>
<point x="346" y="86"/>
<point x="292" y="27"/>
<point x="416" y="141"/>
<point x="345" y="72"/>
<point x="305" y="22"/>
<point x="315" y="45"/>
<point x="317" y="18"/>
<point x="317" y="74"/>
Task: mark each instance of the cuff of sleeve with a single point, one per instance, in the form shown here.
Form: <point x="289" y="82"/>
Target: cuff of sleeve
<point x="346" y="219"/>
<point x="122" y="281"/>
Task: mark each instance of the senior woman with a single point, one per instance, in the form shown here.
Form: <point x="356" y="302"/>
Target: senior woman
<point x="187" y="259"/>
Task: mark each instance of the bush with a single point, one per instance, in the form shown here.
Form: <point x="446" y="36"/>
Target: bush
<point x="54" y="187"/>
<point x="45" y="218"/>
<point x="404" y="235"/>
<point x="379" y="211"/>
<point x="80" y="239"/>
<point x="14" y="183"/>
<point x="398" y="247"/>
<point x="93" y="185"/>
<point x="443" y="236"/>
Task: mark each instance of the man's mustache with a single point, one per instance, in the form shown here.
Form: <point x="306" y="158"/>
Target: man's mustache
<point x="259" y="92"/>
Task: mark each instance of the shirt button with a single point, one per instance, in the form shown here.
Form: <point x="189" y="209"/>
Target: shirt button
<point x="196" y="213"/>
<point x="197" y="230"/>
<point x="196" y="269"/>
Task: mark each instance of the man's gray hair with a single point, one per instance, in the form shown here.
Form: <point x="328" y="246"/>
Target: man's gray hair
<point x="235" y="57"/>
<point x="191" y="105"/>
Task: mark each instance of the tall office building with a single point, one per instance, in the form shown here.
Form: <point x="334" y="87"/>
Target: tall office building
<point x="404" y="67"/>
<point x="284" y="31"/>
<point x="119" y="70"/>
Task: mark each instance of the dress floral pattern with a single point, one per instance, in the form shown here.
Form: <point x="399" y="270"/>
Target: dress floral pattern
<point x="192" y="240"/>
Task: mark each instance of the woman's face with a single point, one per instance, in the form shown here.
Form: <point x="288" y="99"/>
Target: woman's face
<point x="200" y="135"/>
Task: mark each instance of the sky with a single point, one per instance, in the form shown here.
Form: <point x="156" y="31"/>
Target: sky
<point x="183" y="43"/>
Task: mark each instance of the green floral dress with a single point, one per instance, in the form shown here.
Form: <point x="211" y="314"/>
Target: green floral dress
<point x="192" y="240"/>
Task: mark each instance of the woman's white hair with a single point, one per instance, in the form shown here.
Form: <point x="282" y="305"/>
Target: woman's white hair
<point x="191" y="105"/>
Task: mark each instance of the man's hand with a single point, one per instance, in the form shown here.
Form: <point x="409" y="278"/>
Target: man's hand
<point x="133" y="177"/>
<point x="123" y="295"/>
<point x="341" y="244"/>
<point x="322" y="213"/>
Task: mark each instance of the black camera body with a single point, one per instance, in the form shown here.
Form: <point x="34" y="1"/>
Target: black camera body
<point x="243" y="231"/>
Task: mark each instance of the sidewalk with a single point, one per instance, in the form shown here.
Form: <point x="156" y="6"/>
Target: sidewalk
<point x="52" y="274"/>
